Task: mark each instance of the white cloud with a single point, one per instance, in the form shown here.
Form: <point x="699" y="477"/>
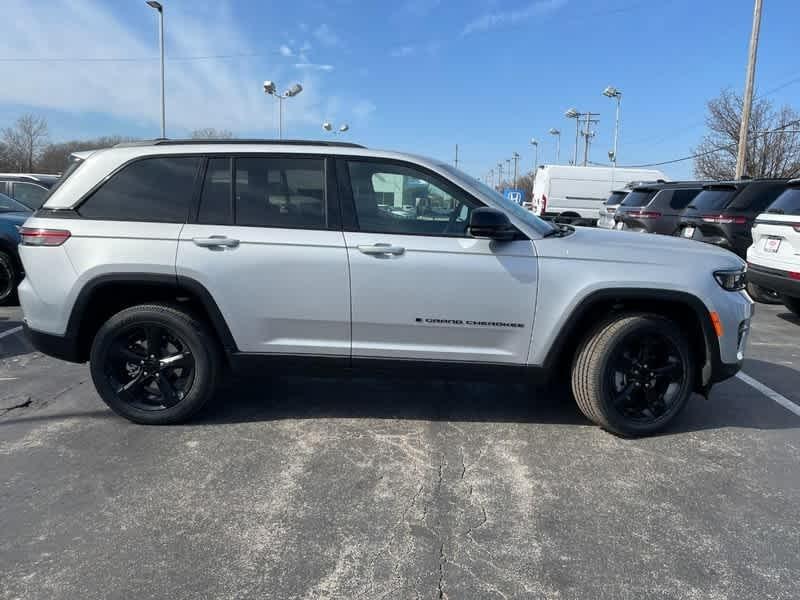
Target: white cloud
<point x="285" y="50"/>
<point x="419" y="7"/>
<point x="222" y="93"/>
<point x="404" y="51"/>
<point x="326" y="36"/>
<point x="313" y="66"/>
<point x="429" y="49"/>
<point x="511" y="17"/>
<point x="363" y="109"/>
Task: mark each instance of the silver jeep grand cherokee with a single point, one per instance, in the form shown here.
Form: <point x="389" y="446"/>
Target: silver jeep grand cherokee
<point x="164" y="263"/>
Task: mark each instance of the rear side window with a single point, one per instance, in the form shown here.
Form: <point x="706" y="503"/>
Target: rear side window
<point x="757" y="198"/>
<point x="638" y="198"/>
<point x="712" y="199"/>
<point x="681" y="198"/>
<point x="788" y="203"/>
<point x="152" y="189"/>
<point x="615" y="198"/>
<point x="29" y="194"/>
<point x="280" y="192"/>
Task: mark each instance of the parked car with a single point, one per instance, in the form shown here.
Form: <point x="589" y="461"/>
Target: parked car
<point x="774" y="258"/>
<point x="273" y="256"/>
<point x="656" y="207"/>
<point x="29" y="189"/>
<point x="606" y="218"/>
<point x="575" y="195"/>
<point x="12" y="216"/>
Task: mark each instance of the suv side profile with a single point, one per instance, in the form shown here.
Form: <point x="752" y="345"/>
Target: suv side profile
<point x="656" y="208"/>
<point x="29" y="189"/>
<point x="166" y="263"/>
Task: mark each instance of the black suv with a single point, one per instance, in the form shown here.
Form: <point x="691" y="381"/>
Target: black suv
<point x="656" y="207"/>
<point x="30" y="190"/>
<point x="724" y="212"/>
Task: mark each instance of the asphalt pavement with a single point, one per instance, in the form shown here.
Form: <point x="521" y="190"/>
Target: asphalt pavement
<point x="325" y="488"/>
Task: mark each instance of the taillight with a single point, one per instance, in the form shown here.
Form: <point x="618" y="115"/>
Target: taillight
<point x="724" y="219"/>
<point x="645" y="214"/>
<point x="544" y="203"/>
<point x="793" y="275"/>
<point x="33" y="236"/>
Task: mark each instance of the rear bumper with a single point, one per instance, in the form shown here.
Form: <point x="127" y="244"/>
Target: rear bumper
<point x="57" y="346"/>
<point x="774" y="279"/>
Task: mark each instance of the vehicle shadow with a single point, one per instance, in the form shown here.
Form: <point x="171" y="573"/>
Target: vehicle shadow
<point x="15" y="344"/>
<point x="789" y="317"/>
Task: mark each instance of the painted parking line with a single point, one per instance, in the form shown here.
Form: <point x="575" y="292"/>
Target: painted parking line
<point x="11" y="331"/>
<point x="770" y="393"/>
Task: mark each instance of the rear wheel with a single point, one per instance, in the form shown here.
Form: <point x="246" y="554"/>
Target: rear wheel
<point x="155" y="364"/>
<point x="633" y="375"/>
<point x="793" y="304"/>
<point x="8" y="278"/>
<point x="762" y="295"/>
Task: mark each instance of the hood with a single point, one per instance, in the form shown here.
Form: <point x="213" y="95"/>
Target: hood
<point x="637" y="248"/>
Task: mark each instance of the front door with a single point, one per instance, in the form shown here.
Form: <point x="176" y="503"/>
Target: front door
<point x="265" y="247"/>
<point x="422" y="288"/>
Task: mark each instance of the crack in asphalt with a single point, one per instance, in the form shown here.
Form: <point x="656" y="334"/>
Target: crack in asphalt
<point x="24" y="404"/>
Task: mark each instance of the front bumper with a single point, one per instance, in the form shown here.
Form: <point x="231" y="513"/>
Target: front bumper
<point x="774" y="279"/>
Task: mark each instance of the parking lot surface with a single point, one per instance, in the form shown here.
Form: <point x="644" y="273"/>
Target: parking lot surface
<point x="323" y="488"/>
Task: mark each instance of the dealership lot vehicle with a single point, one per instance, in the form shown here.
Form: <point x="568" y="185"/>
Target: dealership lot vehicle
<point x="12" y="216"/>
<point x="656" y="208"/>
<point x="276" y="255"/>
<point x="575" y="194"/>
<point x="296" y="487"/>
<point x="774" y="257"/>
<point x="606" y="219"/>
<point x="31" y="190"/>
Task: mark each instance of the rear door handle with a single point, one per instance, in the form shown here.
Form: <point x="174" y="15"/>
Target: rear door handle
<point x="380" y="249"/>
<point x="215" y="241"/>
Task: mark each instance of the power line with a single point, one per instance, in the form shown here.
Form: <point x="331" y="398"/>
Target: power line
<point x="68" y="59"/>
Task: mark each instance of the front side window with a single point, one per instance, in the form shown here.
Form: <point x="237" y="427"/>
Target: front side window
<point x="29" y="194"/>
<point x="392" y="198"/>
<point x="158" y="190"/>
<point x="681" y="198"/>
<point x="280" y="192"/>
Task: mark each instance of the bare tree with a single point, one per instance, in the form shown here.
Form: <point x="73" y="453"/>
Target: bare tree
<point x="770" y="151"/>
<point x="209" y="133"/>
<point x="54" y="157"/>
<point x="24" y="141"/>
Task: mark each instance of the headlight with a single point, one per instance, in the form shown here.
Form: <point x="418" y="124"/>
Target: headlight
<point x="732" y="280"/>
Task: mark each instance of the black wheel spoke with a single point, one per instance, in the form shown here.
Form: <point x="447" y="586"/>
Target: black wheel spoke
<point x="667" y="369"/>
<point x="132" y="386"/>
<point x="623" y="397"/>
<point x="182" y="360"/>
<point x="122" y="352"/>
<point x="169" y="395"/>
<point x="154" y="338"/>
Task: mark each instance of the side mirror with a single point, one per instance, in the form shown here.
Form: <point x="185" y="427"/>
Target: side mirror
<point x="491" y="223"/>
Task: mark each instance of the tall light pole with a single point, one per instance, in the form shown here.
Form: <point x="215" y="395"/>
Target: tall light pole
<point x="500" y="174"/>
<point x="272" y="90"/>
<point x="612" y="92"/>
<point x="157" y="6"/>
<point x="508" y="169"/>
<point x="741" y="154"/>
<point x="535" y="144"/>
<point x="344" y="127"/>
<point x="557" y="133"/>
<point x="516" y="159"/>
<point x="573" y="113"/>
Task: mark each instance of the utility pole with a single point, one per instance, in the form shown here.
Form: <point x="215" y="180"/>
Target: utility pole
<point x="508" y="169"/>
<point x="516" y="159"/>
<point x="588" y="133"/>
<point x="456" y="156"/>
<point x="741" y="154"/>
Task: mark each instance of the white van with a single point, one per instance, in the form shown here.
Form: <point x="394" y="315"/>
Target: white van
<point x="577" y="193"/>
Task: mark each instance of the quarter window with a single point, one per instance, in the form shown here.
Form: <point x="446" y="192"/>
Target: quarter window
<point x="392" y="198"/>
<point x="151" y="189"/>
<point x="29" y="194"/>
<point x="280" y="192"/>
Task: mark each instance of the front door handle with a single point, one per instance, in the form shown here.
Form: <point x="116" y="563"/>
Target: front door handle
<point x="215" y="241"/>
<point x="380" y="249"/>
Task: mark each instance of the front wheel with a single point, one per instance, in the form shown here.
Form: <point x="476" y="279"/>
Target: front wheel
<point x="8" y="278"/>
<point x="633" y="375"/>
<point x="155" y="364"/>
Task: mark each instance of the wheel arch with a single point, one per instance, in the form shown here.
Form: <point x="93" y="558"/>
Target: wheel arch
<point x="109" y="293"/>
<point x="682" y="307"/>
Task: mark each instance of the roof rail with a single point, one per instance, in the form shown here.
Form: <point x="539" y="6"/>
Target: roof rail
<point x="237" y="141"/>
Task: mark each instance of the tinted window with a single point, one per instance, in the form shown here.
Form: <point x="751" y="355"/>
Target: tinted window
<point x="788" y="203"/>
<point x="757" y="198"/>
<point x="615" y="198"/>
<point x="712" y="199"/>
<point x="638" y="198"/>
<point x="280" y="192"/>
<point x="152" y="189"/>
<point x="29" y="194"/>
<point x="215" y="202"/>
<point x="681" y="198"/>
<point x="396" y="199"/>
<point x="10" y="205"/>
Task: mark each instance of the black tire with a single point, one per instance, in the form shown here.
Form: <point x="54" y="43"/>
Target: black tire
<point x="793" y="304"/>
<point x="762" y="295"/>
<point x="9" y="278"/>
<point x="646" y="404"/>
<point x="150" y="393"/>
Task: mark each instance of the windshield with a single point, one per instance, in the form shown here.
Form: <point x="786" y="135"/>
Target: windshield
<point x="523" y="214"/>
<point x="638" y="198"/>
<point x="788" y="203"/>
<point x="616" y="198"/>
<point x="712" y="199"/>
<point x="10" y="205"/>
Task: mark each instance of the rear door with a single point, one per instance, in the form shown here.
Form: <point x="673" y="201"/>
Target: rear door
<point x="267" y="244"/>
<point x="421" y="287"/>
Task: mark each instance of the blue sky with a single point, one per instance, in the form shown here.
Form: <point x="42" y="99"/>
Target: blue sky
<point x="416" y="75"/>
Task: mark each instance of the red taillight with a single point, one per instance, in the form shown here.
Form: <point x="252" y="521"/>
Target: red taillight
<point x="32" y="236"/>
<point x="793" y="275"/>
<point x="544" y="203"/>
<point x="724" y="219"/>
<point x="645" y="214"/>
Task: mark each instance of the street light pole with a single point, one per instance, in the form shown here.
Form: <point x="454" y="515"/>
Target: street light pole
<point x="741" y="154"/>
<point x="535" y="144"/>
<point x="272" y="90"/>
<point x="500" y="174"/>
<point x="157" y="6"/>
<point x="516" y="159"/>
<point x="612" y="92"/>
<point x="557" y="133"/>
